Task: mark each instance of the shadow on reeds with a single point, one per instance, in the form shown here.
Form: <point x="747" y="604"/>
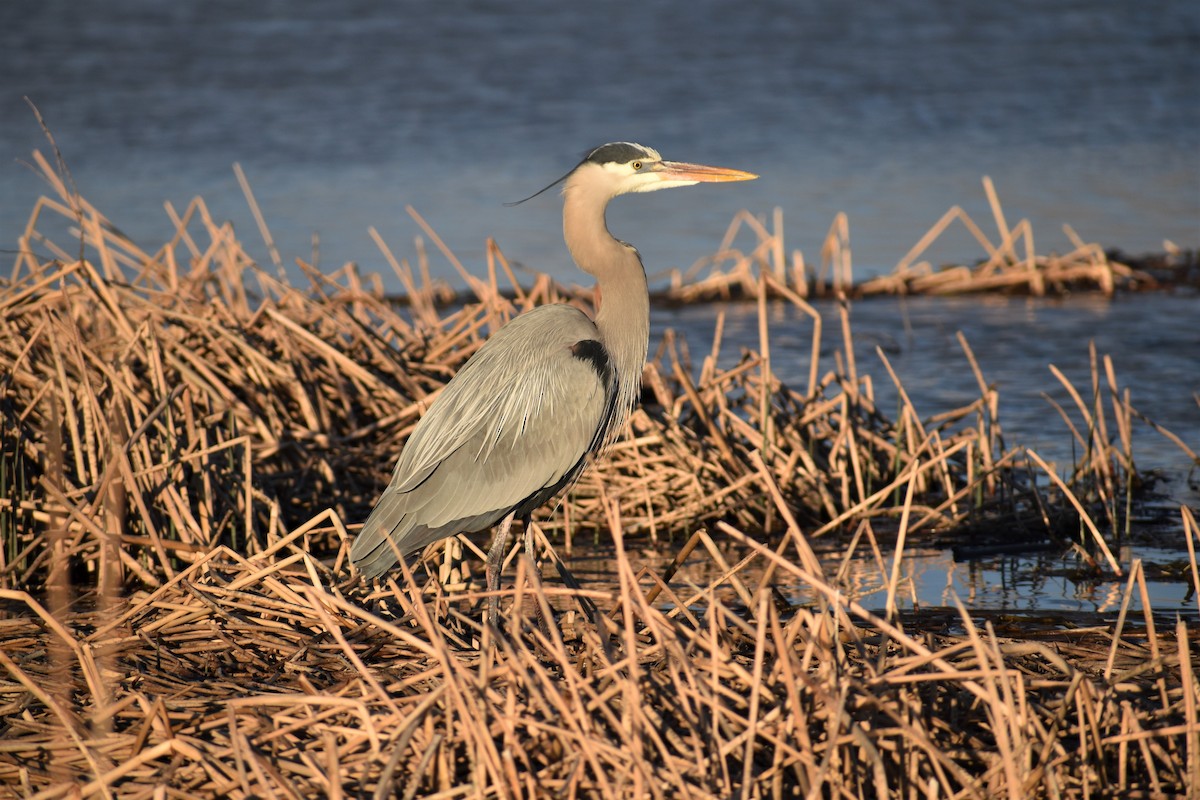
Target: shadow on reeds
<point x="183" y="435"/>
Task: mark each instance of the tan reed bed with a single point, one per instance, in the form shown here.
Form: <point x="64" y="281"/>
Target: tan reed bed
<point x="261" y="677"/>
<point x="1010" y="264"/>
<point x="184" y="434"/>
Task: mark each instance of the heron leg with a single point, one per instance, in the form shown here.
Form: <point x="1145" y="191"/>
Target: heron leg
<point x="495" y="562"/>
<point x="531" y="554"/>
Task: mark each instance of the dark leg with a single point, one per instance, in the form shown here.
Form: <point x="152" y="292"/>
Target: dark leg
<point x="533" y="565"/>
<point x="495" y="561"/>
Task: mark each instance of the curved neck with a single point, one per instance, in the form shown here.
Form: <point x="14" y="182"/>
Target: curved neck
<point x="623" y="316"/>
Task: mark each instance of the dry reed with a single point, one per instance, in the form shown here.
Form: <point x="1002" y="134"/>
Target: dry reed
<point x="184" y="434"/>
<point x="1010" y="264"/>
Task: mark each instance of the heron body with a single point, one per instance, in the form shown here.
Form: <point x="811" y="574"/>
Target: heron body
<point x="520" y="419"/>
<point x="477" y="454"/>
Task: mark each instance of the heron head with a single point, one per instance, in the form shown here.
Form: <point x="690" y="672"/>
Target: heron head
<point x="624" y="167"/>
<point x="619" y="168"/>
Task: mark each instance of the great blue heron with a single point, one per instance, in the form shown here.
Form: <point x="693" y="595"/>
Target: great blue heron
<point x="519" y="420"/>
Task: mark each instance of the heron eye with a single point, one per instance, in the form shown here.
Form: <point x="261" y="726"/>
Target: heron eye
<point x="637" y="165"/>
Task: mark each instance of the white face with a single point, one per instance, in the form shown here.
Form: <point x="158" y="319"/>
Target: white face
<point x="643" y="175"/>
<point x="637" y="168"/>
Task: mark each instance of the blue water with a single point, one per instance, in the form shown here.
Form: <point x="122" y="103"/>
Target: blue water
<point x="1085" y="113"/>
<point x="1152" y="340"/>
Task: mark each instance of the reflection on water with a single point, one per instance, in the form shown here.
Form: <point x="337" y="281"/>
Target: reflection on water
<point x="1057" y="585"/>
<point x="1042" y="582"/>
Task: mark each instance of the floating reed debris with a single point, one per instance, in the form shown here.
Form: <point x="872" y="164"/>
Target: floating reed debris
<point x="182" y="435"/>
<point x="1010" y="264"/>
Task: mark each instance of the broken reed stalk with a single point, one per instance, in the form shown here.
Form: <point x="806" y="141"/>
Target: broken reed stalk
<point x="204" y="426"/>
<point x="734" y="273"/>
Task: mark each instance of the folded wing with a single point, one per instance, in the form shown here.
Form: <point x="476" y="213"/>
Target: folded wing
<point x="508" y="432"/>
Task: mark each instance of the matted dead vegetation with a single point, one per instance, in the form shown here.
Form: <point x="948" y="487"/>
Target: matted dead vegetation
<point x="185" y="436"/>
<point x="1010" y="264"/>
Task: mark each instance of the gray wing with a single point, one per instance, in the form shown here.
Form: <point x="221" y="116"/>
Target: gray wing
<point x="508" y="431"/>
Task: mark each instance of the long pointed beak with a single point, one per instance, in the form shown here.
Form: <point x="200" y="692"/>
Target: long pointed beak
<point x="683" y="171"/>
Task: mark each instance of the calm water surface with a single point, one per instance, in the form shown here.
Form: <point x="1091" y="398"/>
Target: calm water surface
<point x="1083" y="112"/>
<point x="1046" y="591"/>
